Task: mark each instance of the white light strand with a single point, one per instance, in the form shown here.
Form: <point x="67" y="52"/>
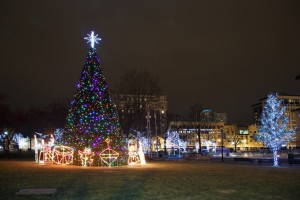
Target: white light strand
<point x="273" y="131"/>
<point x="133" y="157"/>
<point x="141" y="154"/>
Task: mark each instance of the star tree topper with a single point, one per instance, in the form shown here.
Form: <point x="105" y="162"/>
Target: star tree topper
<point x="92" y="39"/>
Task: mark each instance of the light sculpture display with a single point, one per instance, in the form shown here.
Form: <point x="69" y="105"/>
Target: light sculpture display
<point x="141" y="154"/>
<point x="48" y="149"/>
<point x="86" y="157"/>
<point x="108" y="156"/>
<point x="42" y="153"/>
<point x="63" y="155"/>
<point x="36" y="149"/>
<point x="133" y="157"/>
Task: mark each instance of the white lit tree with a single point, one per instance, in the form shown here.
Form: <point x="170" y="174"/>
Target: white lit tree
<point x="18" y="137"/>
<point x="273" y="131"/>
<point x="6" y="137"/>
<point x="172" y="140"/>
<point x="58" y="133"/>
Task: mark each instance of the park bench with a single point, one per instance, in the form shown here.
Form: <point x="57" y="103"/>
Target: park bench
<point x="251" y="160"/>
<point x="293" y="159"/>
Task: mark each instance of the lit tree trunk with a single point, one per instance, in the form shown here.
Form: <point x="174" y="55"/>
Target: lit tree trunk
<point x="275" y="157"/>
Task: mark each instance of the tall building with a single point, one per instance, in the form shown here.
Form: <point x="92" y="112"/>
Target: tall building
<point x="133" y="111"/>
<point x="297" y="116"/>
<point x="221" y="117"/>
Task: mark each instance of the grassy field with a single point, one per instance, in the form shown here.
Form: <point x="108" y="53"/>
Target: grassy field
<point x="156" y="180"/>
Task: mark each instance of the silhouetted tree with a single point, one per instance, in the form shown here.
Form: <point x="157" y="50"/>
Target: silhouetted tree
<point x="6" y="124"/>
<point x="6" y="114"/>
<point x="203" y="117"/>
<point x="42" y="120"/>
<point x="134" y="87"/>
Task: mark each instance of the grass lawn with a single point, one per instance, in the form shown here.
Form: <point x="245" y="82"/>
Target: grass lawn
<point x="156" y="180"/>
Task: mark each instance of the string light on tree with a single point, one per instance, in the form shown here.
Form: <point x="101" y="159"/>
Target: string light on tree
<point x="273" y="131"/>
<point x="93" y="116"/>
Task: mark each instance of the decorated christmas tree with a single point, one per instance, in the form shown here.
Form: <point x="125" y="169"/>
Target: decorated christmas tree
<point x="273" y="131"/>
<point x="92" y="117"/>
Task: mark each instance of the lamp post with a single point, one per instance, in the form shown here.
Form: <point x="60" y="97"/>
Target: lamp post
<point x="177" y="130"/>
<point x="165" y="144"/>
<point x="148" y="117"/>
<point x="156" y="140"/>
<point x="222" y="139"/>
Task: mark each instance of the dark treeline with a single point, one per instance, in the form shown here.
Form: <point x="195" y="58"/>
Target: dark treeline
<point x="43" y="119"/>
<point x="30" y="121"/>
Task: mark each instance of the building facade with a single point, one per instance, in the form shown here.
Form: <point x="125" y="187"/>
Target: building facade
<point x="236" y="138"/>
<point x="297" y="116"/>
<point x="221" y="117"/>
<point x="144" y="113"/>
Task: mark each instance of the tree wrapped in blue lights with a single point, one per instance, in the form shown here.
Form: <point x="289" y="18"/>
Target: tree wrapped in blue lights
<point x="93" y="116"/>
<point x="273" y="131"/>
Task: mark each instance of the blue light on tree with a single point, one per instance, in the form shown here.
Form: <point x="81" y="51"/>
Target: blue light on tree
<point x="273" y="131"/>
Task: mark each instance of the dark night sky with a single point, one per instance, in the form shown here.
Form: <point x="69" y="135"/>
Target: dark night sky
<point x="223" y="54"/>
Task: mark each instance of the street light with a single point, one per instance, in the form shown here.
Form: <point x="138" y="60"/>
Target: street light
<point x="222" y="139"/>
<point x="156" y="140"/>
<point x="148" y="117"/>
